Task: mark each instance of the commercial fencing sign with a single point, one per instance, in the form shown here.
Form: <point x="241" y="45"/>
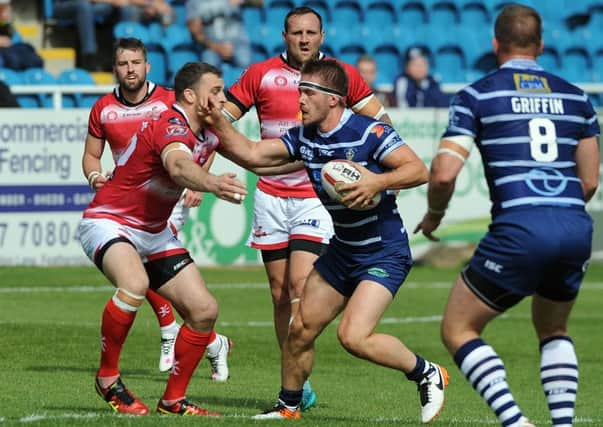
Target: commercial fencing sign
<point x="43" y="192"/>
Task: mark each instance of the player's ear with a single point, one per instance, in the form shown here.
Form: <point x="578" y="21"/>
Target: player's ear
<point x="189" y="95"/>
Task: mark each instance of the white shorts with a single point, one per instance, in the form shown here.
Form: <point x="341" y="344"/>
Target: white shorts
<point x="95" y="233"/>
<point x="278" y="220"/>
<point x="179" y="215"/>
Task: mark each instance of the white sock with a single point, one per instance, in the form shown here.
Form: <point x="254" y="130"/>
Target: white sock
<point x="559" y="377"/>
<point x="171" y="329"/>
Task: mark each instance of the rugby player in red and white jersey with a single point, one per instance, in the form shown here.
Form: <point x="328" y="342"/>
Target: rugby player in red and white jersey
<point x="125" y="232"/>
<point x="114" y="118"/>
<point x="290" y="225"/>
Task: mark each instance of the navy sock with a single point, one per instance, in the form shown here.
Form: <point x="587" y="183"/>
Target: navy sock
<point x="290" y="397"/>
<point x="416" y="374"/>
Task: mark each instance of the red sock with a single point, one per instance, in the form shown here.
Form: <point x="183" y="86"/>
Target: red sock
<point x="115" y="326"/>
<point x="161" y="307"/>
<point x="189" y="349"/>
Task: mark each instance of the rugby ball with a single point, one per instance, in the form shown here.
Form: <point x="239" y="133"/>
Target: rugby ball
<point x="344" y="171"/>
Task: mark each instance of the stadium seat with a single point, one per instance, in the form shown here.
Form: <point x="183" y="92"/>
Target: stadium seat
<point x="597" y="61"/>
<point x="443" y="14"/>
<point x="258" y="53"/>
<point x="322" y="7"/>
<point x="176" y="35"/>
<point x="38" y="76"/>
<point x="576" y="65"/>
<point x="275" y="14"/>
<point x="350" y="53"/>
<point x="179" y="14"/>
<point x="412" y="15"/>
<point x="347" y="13"/>
<point x="549" y="59"/>
<point x="124" y="29"/>
<point x="77" y="76"/>
<point x="475" y="42"/>
<point x="450" y="64"/>
<point x="230" y="74"/>
<point x="157" y="58"/>
<point x="380" y="15"/>
<point x="388" y="61"/>
<point x="384" y="36"/>
<point x="10" y="77"/>
<point x="252" y="17"/>
<point x="179" y="56"/>
<point x="156" y="32"/>
<point x="486" y="63"/>
<point x="474" y="15"/>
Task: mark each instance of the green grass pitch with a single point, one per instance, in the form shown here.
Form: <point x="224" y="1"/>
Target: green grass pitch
<point x="49" y="351"/>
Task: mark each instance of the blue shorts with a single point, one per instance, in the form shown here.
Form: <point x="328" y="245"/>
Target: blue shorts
<point x="543" y="250"/>
<point x="344" y="269"/>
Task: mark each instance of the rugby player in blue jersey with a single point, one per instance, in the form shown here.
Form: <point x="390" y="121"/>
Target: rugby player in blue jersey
<point x="538" y="138"/>
<point x="368" y="258"/>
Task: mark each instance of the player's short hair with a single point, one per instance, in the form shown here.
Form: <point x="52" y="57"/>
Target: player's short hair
<point x="518" y="27"/>
<point x="302" y="10"/>
<point x="190" y="74"/>
<point x="331" y="72"/>
<point x="128" y="43"/>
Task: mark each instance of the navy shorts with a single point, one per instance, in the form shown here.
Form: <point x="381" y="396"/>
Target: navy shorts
<point x="543" y="250"/>
<point x="344" y="269"/>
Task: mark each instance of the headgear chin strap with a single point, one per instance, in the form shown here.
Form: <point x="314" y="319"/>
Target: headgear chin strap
<point x="320" y="88"/>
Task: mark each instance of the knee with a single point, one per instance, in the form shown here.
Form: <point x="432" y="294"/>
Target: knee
<point x="351" y="341"/>
<point x="201" y="314"/>
<point x="279" y="293"/>
<point x="448" y="336"/>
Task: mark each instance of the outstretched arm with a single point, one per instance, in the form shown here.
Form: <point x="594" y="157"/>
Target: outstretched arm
<point x="445" y="167"/>
<point x="185" y="172"/>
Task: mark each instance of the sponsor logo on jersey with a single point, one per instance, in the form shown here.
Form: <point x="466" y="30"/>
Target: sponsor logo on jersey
<point x="306" y="153"/>
<point x="493" y="266"/>
<point x="280" y="80"/>
<point x="378" y="130"/>
<point x="531" y="83"/>
<point x="176" y="130"/>
<point x="350" y="153"/>
<point x="378" y="272"/>
<point x="259" y="231"/>
<point x="175" y="121"/>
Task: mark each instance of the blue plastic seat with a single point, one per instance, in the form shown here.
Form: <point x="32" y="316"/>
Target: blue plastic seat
<point x="388" y="62"/>
<point x="124" y="29"/>
<point x="230" y="74"/>
<point x="380" y="15"/>
<point x="38" y="76"/>
<point x="412" y="15"/>
<point x="320" y="6"/>
<point x="176" y="35"/>
<point x="450" y="64"/>
<point x="10" y="77"/>
<point x="474" y="15"/>
<point x="252" y="17"/>
<point x="351" y="53"/>
<point x="179" y="56"/>
<point x="157" y="58"/>
<point x="275" y="14"/>
<point x="444" y="14"/>
<point x="156" y="32"/>
<point x="597" y="61"/>
<point x="576" y="65"/>
<point x="179" y="14"/>
<point x="347" y="13"/>
<point x="77" y="76"/>
<point x="549" y="59"/>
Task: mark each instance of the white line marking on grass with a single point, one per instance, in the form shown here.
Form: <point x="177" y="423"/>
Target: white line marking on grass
<point x="85" y="289"/>
<point x="93" y="415"/>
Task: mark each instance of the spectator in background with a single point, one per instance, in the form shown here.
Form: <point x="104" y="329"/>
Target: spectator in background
<point x="367" y="67"/>
<point x="151" y="10"/>
<point x="14" y="54"/>
<point x="415" y="87"/>
<point x="86" y="14"/>
<point x="217" y="26"/>
<point x="7" y="99"/>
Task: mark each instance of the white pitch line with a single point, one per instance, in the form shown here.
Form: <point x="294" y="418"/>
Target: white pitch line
<point x="91" y="289"/>
<point x="95" y="415"/>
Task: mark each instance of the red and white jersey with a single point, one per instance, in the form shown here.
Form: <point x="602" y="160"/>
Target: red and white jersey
<point x="115" y="120"/>
<point x="271" y="86"/>
<point x="141" y="193"/>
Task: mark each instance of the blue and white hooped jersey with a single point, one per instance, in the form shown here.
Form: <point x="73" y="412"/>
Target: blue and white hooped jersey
<point x="526" y="124"/>
<point x="363" y="140"/>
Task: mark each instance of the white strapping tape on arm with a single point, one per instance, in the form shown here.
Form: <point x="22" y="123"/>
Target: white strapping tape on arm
<point x="228" y="115"/>
<point x="466" y="142"/>
<point x="452" y="153"/>
<point x="360" y="104"/>
<point x="180" y="147"/>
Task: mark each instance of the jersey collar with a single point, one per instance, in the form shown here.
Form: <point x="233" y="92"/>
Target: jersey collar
<point x="150" y="88"/>
<point x="200" y="136"/>
<point x="522" y="64"/>
<point x="345" y="116"/>
<point x="285" y="58"/>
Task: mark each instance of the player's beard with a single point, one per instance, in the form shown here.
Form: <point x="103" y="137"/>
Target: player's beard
<point x="132" y="86"/>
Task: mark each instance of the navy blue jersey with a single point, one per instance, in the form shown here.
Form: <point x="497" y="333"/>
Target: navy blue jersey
<point x="363" y="140"/>
<point x="526" y="124"/>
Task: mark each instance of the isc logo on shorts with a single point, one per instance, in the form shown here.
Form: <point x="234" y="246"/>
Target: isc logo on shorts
<point x="491" y="265"/>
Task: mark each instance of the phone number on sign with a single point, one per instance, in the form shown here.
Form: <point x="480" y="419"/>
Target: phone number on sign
<point x="37" y="233"/>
